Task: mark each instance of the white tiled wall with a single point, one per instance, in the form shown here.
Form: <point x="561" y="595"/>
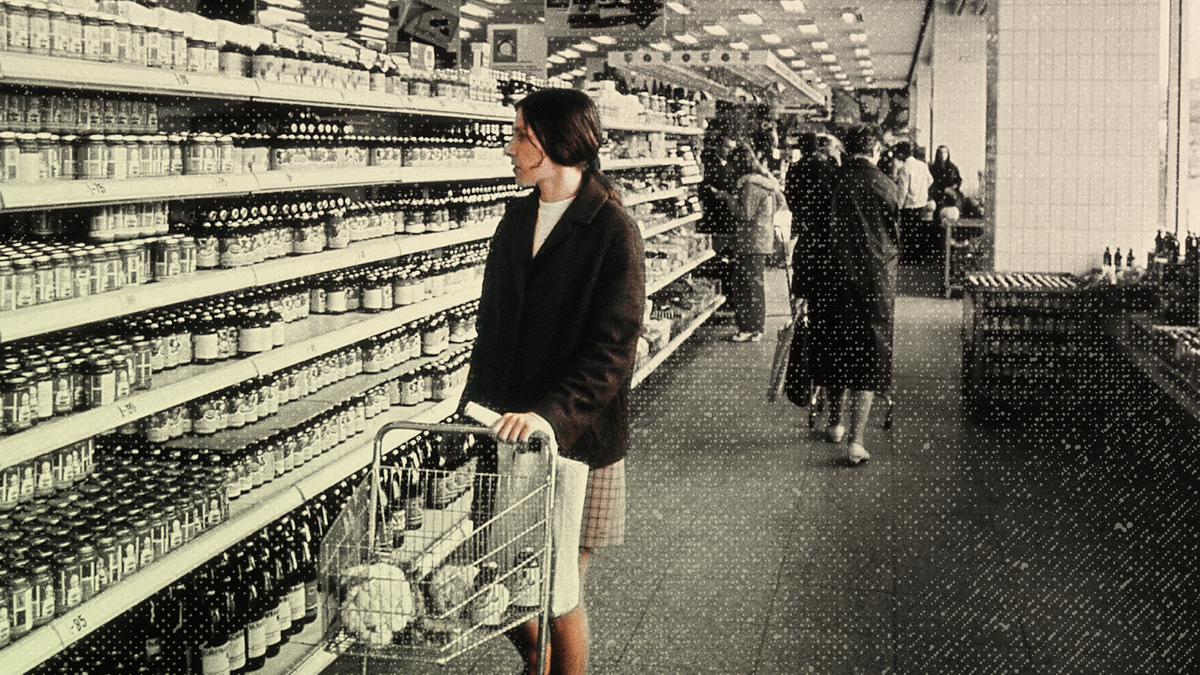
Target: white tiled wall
<point x="958" y="117"/>
<point x="1077" y="131"/>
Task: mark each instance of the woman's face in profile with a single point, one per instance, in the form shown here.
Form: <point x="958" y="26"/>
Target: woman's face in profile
<point x="942" y="154"/>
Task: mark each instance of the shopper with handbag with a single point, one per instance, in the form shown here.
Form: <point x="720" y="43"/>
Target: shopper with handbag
<point x="559" y="320"/>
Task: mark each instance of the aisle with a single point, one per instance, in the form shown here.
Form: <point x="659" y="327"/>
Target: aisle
<point x="957" y="549"/>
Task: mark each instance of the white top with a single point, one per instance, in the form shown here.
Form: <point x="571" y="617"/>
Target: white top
<point x="914" y="180"/>
<point x="549" y="213"/>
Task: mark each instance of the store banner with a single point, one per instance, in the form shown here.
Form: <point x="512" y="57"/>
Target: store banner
<point x="431" y="21"/>
<point x="618" y="18"/>
<point x="519" y="47"/>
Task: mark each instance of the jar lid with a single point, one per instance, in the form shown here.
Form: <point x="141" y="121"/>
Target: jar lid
<point x="97" y="138"/>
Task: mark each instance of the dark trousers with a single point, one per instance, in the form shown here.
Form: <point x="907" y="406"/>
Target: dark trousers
<point x="749" y="293"/>
<point x="914" y="236"/>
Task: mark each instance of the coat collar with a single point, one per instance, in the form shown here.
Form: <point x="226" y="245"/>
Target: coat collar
<point x="588" y="202"/>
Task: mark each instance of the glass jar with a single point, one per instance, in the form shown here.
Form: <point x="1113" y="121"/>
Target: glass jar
<point x="43" y="280"/>
<point x="108" y="39"/>
<point x="39" y="28"/>
<point x="122" y="36"/>
<point x="81" y="267"/>
<point x="94" y="160"/>
<point x="100" y="383"/>
<point x="42" y="601"/>
<point x="117" y="158"/>
<point x="136" y="56"/>
<point x="67" y="152"/>
<point x="20" y="608"/>
<point x="74" y="33"/>
<point x="18" y="25"/>
<point x="10" y="154"/>
<point x="16" y="403"/>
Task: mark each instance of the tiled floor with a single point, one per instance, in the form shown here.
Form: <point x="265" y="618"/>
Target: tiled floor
<point x="1058" y="543"/>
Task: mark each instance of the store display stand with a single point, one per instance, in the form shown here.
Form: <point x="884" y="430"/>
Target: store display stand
<point x="966" y="248"/>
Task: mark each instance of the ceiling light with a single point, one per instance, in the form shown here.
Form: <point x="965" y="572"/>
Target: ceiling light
<point x="578" y="72"/>
<point x="716" y="29"/>
<point x="786" y="52"/>
<point x="468" y="22"/>
<point x="868" y="72"/>
<point x="662" y="46"/>
<point x="772" y="39"/>
<point x="808" y="28"/>
<point x="865" y="63"/>
<point x="739" y="45"/>
<point x="862" y="52"/>
<point x="497" y="2"/>
<point x="462" y="34"/>
<point x="808" y="72"/>
<point x="750" y="19"/>
<point x="604" y="39"/>
<point x="565" y="76"/>
<point x="687" y="39"/>
<point x="828" y="58"/>
<point x="555" y="58"/>
<point x="822" y="85"/>
<point x="852" y="15"/>
<point x="819" y="46"/>
<point x="793" y="6"/>
<point x="799" y="63"/>
<point x="585" y="46"/>
<point x="679" y="7"/>
<point x="835" y="68"/>
<point x="869" y="79"/>
<point x="859" y="37"/>
<point x="570" y="53"/>
<point x="476" y="10"/>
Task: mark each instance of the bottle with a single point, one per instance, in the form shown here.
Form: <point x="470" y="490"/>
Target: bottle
<point x="253" y="613"/>
<point x="235" y="624"/>
<point x="1107" y="258"/>
<point x="527" y="582"/>
<point x="214" y="634"/>
<point x="1117" y="260"/>
<point x="1129" y="258"/>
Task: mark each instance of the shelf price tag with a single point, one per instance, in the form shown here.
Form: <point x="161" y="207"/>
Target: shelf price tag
<point x="95" y="189"/>
<point x="182" y="80"/>
<point x="221" y="182"/>
<point x="127" y="409"/>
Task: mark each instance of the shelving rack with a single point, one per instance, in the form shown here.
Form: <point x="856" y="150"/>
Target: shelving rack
<point x="311" y="338"/>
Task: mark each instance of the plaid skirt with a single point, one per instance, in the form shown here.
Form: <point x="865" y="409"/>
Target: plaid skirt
<point x="604" y="507"/>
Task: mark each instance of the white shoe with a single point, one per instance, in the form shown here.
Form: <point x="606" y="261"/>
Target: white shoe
<point x="836" y="434"/>
<point x="746" y="337"/>
<point x="858" y="454"/>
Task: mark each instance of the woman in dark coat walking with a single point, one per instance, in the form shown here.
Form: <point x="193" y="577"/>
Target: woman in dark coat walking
<point x="559" y="320"/>
<point x="854" y="288"/>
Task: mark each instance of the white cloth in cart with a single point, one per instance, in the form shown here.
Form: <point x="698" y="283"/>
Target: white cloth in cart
<point x="567" y="516"/>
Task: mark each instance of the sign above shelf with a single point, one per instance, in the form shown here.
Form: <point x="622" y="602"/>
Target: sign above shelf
<point x="722" y="72"/>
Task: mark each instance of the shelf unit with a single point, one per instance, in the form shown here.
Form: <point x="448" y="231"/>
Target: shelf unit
<point x="661" y="283"/>
<point x="663" y="354"/>
<point x="654" y="196"/>
<point x="248" y="514"/>
<point x="671" y="224"/>
<point x="308" y="339"/>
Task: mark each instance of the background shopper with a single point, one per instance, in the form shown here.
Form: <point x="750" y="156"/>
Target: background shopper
<point x="559" y="320"/>
<point x="947" y="181"/>
<point x="758" y="197"/>
<point x="914" y="179"/>
<point x="807" y="195"/>
<point x="854" y="288"/>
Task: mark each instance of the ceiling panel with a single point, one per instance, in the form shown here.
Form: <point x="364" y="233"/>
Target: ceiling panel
<point x="890" y="30"/>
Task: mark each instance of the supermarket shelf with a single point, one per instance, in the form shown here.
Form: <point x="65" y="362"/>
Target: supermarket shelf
<point x="632" y="125"/>
<point x="248" y="514"/>
<point x="622" y="164"/>
<point x="45" y="71"/>
<point x="55" y="316"/>
<point x="671" y="224"/>
<point x="659" y="284"/>
<point x="665" y="352"/>
<point x="322" y="334"/>
<point x="654" y="196"/>
<point x="1163" y="375"/>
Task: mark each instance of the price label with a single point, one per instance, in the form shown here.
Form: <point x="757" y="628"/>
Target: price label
<point x="95" y="188"/>
<point x="182" y="79"/>
<point x="221" y="182"/>
<point x="127" y="409"/>
<point x="128" y="299"/>
<point x="78" y="625"/>
<point x="313" y="349"/>
<point x="362" y="255"/>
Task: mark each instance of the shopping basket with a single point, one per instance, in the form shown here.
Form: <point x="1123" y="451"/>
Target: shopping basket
<point x="480" y="563"/>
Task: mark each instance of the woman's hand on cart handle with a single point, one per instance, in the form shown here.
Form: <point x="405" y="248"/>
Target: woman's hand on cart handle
<point x="513" y="427"/>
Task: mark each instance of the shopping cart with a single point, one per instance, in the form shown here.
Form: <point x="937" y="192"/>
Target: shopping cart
<point x="480" y="563"/>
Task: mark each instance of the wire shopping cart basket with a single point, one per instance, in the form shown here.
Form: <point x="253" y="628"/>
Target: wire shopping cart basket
<point x="479" y="563"/>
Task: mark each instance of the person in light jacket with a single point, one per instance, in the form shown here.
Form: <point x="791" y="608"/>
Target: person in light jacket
<point x="758" y="197"/>
<point x="559" y="320"/>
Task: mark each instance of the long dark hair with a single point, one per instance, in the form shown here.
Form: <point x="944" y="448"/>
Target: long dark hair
<point x="567" y="124"/>
<point x="942" y="161"/>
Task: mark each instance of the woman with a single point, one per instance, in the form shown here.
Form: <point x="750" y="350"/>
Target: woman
<point x="758" y="196"/>
<point x="946" y="180"/>
<point x="854" y="289"/>
<point x="559" y="320"/>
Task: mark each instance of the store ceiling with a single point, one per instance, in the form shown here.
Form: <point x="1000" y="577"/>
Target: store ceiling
<point x="889" y="31"/>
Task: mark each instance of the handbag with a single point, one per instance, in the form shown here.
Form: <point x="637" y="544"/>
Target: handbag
<point x="779" y="365"/>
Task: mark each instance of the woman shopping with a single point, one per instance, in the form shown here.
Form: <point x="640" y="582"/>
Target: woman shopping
<point x="853" y="290"/>
<point x="559" y="320"/>
<point x="758" y="197"/>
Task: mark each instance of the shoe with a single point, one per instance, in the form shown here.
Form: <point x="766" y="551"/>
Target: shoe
<point x="746" y="337"/>
<point x="858" y="454"/>
<point x="836" y="434"/>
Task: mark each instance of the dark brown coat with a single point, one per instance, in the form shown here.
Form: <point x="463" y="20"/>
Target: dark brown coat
<point x="558" y="333"/>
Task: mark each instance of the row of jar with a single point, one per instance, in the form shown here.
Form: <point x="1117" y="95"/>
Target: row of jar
<point x="61" y="552"/>
<point x="69" y="113"/>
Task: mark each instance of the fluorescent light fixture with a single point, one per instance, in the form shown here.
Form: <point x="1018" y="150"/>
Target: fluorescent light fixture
<point x="679" y="7"/>
<point x="476" y="10"/>
<point x="859" y="37"/>
<point x="462" y="35"/>
<point x="750" y="19"/>
<point x="370" y="22"/>
<point x="555" y="58"/>
<point x="565" y="76"/>
<point x="289" y="4"/>
<point x="497" y="2"/>
<point x="570" y="53"/>
<point x="585" y="47"/>
<point x="808" y="28"/>
<point x="373" y="10"/>
<point x="819" y="46"/>
<point x="868" y="71"/>
<point x="277" y="13"/>
<point x="799" y="63"/>
<point x="852" y="15"/>
<point x="604" y="39"/>
<point x="786" y="52"/>
<point x="687" y="39"/>
<point x="771" y="38"/>
<point x="468" y="22"/>
<point x="808" y="72"/>
<point x="372" y="33"/>
<point x="739" y="45"/>
<point x="828" y="58"/>
<point x="716" y="29"/>
<point x="578" y="72"/>
<point x="841" y="76"/>
<point x="835" y="68"/>
<point x="662" y="46"/>
<point x="862" y="52"/>
<point x="793" y="6"/>
<point x="865" y="63"/>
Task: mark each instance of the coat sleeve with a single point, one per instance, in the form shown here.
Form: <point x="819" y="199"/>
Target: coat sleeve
<point x="603" y="365"/>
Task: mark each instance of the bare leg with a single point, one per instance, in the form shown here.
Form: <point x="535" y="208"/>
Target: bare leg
<point x="567" y="652"/>
<point x="837" y="404"/>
